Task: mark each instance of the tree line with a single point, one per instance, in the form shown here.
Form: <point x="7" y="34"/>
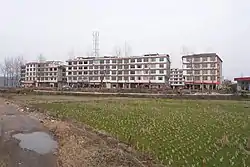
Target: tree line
<point x="10" y="69"/>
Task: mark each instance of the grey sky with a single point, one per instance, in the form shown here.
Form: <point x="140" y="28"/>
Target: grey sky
<point x="56" y="27"/>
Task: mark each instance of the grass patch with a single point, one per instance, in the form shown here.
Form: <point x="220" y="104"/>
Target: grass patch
<point x="176" y="132"/>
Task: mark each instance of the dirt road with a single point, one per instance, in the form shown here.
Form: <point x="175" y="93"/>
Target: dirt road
<point x="24" y="142"/>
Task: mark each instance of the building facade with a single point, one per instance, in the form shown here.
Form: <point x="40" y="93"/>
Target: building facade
<point x="44" y="74"/>
<point x="243" y="83"/>
<point x="202" y="71"/>
<point x="152" y="70"/>
<point x="176" y="78"/>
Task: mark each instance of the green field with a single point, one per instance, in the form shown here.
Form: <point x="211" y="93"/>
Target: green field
<point x="176" y="132"/>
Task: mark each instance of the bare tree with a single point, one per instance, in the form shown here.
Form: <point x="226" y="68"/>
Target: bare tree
<point x="117" y="51"/>
<point x="11" y="69"/>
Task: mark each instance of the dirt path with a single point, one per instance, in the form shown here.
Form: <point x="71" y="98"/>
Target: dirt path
<point x="24" y="142"/>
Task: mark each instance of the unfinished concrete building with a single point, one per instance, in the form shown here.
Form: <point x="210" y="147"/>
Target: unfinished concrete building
<point x="202" y="71"/>
<point x="151" y="71"/>
<point x="45" y="74"/>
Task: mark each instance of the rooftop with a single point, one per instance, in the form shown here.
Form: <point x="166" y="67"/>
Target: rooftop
<point x="202" y="54"/>
<point x="118" y="57"/>
<point x="242" y="79"/>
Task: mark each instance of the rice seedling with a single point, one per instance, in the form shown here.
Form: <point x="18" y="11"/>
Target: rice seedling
<point x="177" y="133"/>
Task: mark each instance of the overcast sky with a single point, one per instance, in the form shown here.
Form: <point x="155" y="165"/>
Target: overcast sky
<point x="62" y="28"/>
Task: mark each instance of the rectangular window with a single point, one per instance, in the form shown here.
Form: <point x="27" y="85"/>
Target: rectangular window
<point x="139" y="60"/>
<point x="145" y="59"/>
<point x="132" y="66"/>
<point x="126" y="66"/>
<point x="126" y="72"/>
<point x="189" y="59"/>
<point x="162" y="59"/>
<point x="113" y="78"/>
<point x="132" y="60"/>
<point x="197" y="72"/>
<point x="132" y="72"/>
<point x="196" y="78"/>
<point x="152" y="71"/>
<point x="160" y="78"/>
<point x="204" y="65"/>
<point x="113" y="67"/>
<point x="212" y="58"/>
<point x="204" y="72"/>
<point x="213" y="78"/>
<point x="113" y="61"/>
<point x="132" y="78"/>
<point x="197" y="66"/>
<point x="197" y="59"/>
<point x="161" y="65"/>
<point x="204" y="78"/>
<point x="213" y="65"/>
<point x="161" y="71"/>
<point x="204" y="58"/>
<point x="213" y="71"/>
<point x="152" y="59"/>
<point x="107" y="61"/>
<point x="138" y="66"/>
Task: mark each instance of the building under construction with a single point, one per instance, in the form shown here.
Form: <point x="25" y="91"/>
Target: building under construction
<point x="148" y="71"/>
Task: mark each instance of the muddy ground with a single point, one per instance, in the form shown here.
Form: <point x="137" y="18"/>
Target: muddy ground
<point x="79" y="144"/>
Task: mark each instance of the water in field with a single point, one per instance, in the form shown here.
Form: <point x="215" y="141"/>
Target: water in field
<point x="40" y="142"/>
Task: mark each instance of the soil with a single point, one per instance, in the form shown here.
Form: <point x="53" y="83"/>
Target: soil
<point x="82" y="146"/>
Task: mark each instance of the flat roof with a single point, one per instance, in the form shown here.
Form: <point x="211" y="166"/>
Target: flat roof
<point x="242" y="79"/>
<point x="118" y="57"/>
<point x="203" y="54"/>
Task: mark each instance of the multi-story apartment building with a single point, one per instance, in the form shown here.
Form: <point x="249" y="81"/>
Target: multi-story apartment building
<point x="152" y="70"/>
<point x="202" y="71"/>
<point x="176" y="78"/>
<point x="45" y="74"/>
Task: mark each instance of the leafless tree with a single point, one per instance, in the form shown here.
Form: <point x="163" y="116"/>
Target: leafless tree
<point x="11" y="69"/>
<point x="118" y="51"/>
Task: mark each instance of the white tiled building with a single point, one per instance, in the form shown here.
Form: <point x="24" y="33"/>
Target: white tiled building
<point x="151" y="70"/>
<point x="176" y="78"/>
<point x="202" y="71"/>
<point x="44" y="74"/>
